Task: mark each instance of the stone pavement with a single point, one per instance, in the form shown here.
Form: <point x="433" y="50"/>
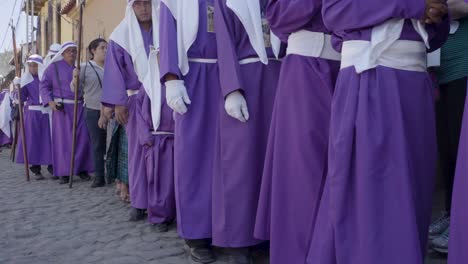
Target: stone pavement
<point x="44" y="222"/>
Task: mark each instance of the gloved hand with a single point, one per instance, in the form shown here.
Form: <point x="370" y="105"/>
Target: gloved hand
<point x="17" y="81"/>
<point x="177" y="97"/>
<point x="236" y="106"/>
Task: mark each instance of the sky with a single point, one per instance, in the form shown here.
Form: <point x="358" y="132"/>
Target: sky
<point x="7" y="7"/>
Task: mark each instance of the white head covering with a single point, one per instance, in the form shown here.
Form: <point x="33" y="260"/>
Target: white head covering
<point x="128" y="36"/>
<point x="53" y="49"/>
<point x="58" y="56"/>
<point x="5" y="114"/>
<point x="186" y="13"/>
<point x="249" y="13"/>
<point x="27" y="77"/>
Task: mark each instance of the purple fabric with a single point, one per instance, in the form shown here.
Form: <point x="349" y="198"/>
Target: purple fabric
<point x="36" y="127"/>
<point x="296" y="159"/>
<point x="120" y="76"/>
<point x="240" y="146"/>
<point x="158" y="161"/>
<point x="377" y="199"/>
<point x="62" y="122"/>
<point x="195" y="130"/>
<point x="458" y="242"/>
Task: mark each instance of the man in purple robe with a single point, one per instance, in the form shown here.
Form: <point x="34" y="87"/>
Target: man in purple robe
<point x="458" y="242"/>
<point x="127" y="57"/>
<point x="190" y="74"/>
<point x="55" y="92"/>
<point x="296" y="159"/>
<point x="249" y="71"/>
<point x="36" y="120"/>
<point x="377" y="198"/>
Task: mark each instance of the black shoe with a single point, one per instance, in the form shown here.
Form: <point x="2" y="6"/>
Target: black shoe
<point x="202" y="254"/>
<point x="136" y="215"/>
<point x="238" y="256"/>
<point x="98" y="182"/>
<point x="50" y="169"/>
<point x="36" y="169"/>
<point x="64" y="180"/>
<point x="84" y="176"/>
<point x="39" y="177"/>
<point x="161" y="228"/>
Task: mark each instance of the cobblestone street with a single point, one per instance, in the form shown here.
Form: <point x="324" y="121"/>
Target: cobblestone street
<point x="44" y="222"/>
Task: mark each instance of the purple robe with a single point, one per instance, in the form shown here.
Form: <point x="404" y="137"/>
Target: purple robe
<point x="62" y="122"/>
<point x="36" y="128"/>
<point x="296" y="159"/>
<point x="240" y="146"/>
<point x="4" y="139"/>
<point x="158" y="160"/>
<point x="120" y="76"/>
<point x="377" y="198"/>
<point x="196" y="129"/>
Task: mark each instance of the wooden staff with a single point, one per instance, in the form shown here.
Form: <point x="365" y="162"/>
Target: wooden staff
<point x="75" y="110"/>
<point x="20" y="105"/>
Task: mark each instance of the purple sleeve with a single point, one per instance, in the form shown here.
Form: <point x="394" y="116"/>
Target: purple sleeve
<point x="114" y="89"/>
<point x="46" y="85"/>
<point x="144" y="123"/>
<point x="24" y="93"/>
<point x="289" y="16"/>
<point x="342" y="15"/>
<point x="168" y="56"/>
<point x="229" y="72"/>
<point x="439" y="33"/>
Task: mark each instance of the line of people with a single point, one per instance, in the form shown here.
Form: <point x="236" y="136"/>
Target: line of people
<point x="306" y="123"/>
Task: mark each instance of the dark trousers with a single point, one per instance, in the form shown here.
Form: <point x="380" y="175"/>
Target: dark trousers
<point x="98" y="139"/>
<point x="449" y="116"/>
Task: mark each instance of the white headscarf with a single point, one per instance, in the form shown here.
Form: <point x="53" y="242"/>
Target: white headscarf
<point x="249" y="13"/>
<point x="128" y="36"/>
<point x="186" y="13"/>
<point x="53" y="49"/>
<point x="5" y="114"/>
<point x="27" y="77"/>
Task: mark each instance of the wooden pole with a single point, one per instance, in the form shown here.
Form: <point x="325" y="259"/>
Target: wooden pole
<point x="77" y="88"/>
<point x="20" y="105"/>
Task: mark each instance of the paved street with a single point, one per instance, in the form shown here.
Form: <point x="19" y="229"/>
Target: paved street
<point x="44" y="222"/>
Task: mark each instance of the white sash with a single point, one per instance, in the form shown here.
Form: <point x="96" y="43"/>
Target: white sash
<point x="186" y="14"/>
<point x="386" y="49"/>
<point x="249" y="13"/>
<point x="312" y="44"/>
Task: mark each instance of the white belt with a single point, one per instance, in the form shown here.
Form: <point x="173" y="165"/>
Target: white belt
<point x="65" y="101"/>
<point x="312" y="44"/>
<point x="161" y="133"/>
<point x="36" y="108"/>
<point x="254" y="60"/>
<point x="199" y="60"/>
<point x="402" y="55"/>
<point x="132" y="92"/>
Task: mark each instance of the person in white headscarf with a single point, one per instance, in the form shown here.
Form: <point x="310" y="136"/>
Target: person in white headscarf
<point x="131" y="73"/>
<point x="53" y="49"/>
<point x="36" y="120"/>
<point x="56" y="93"/>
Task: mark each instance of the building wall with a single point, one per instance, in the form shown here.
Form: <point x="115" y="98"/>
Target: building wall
<point x="100" y="17"/>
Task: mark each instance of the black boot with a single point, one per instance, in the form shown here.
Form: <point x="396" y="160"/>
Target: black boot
<point x="64" y="180"/>
<point x="36" y="170"/>
<point x="50" y="169"/>
<point x="238" y="256"/>
<point x="98" y="182"/>
<point x="201" y="251"/>
<point x="84" y="176"/>
<point x="161" y="228"/>
<point x="136" y="214"/>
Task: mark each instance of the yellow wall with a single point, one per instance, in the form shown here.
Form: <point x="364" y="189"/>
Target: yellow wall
<point x="100" y="17"/>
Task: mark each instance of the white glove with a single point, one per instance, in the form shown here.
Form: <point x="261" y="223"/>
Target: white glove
<point x="236" y="106"/>
<point x="176" y="96"/>
<point x="17" y="81"/>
